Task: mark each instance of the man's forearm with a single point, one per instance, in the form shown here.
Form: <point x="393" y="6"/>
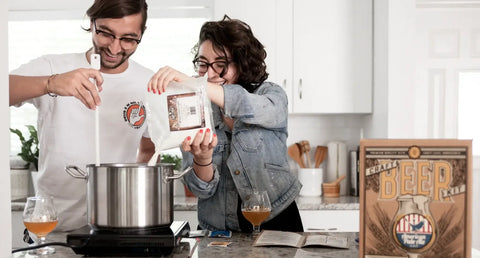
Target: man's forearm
<point x="23" y="88"/>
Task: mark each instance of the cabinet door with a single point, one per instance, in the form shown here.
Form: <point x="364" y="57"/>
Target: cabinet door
<point x="319" y="51"/>
<point x="260" y="16"/>
<point x="330" y="220"/>
<point x="283" y="69"/>
<point x="332" y="56"/>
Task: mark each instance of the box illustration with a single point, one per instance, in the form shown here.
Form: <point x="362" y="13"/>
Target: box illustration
<point x="415" y="198"/>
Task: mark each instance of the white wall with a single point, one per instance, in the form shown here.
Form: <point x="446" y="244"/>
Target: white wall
<point x="401" y="100"/>
<point x="393" y="106"/>
<point x="5" y="214"/>
<point x="401" y="22"/>
<point x="376" y="125"/>
<point x="321" y="129"/>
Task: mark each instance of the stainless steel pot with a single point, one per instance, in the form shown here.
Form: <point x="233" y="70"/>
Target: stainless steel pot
<point x="123" y="196"/>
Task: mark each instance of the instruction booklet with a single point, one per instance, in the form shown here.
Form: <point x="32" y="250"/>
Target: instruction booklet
<point x="284" y="238"/>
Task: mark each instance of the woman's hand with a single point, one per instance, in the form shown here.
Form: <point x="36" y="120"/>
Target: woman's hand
<point x="200" y="146"/>
<point x="202" y="150"/>
<point x="159" y="81"/>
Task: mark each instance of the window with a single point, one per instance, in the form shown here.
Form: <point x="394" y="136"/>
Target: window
<point x="468" y="105"/>
<point x="167" y="41"/>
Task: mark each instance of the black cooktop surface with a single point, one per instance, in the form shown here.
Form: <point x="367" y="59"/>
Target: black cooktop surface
<point x="141" y="242"/>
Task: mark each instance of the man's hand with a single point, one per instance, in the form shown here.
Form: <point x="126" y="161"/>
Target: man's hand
<point x="77" y="83"/>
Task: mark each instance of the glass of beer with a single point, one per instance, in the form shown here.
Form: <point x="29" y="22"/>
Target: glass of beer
<point x="40" y="218"/>
<point x="256" y="209"/>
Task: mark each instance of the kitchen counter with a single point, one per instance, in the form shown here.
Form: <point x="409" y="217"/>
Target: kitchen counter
<point x="18" y="205"/>
<point x="318" y="214"/>
<point x="182" y="203"/>
<point x="241" y="246"/>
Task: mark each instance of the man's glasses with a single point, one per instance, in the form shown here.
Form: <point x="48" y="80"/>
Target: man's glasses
<point x="220" y="67"/>
<point x="109" y="38"/>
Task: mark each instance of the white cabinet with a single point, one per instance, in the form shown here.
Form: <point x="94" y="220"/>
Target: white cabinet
<point x="320" y="51"/>
<point x="331" y="220"/>
<point x="325" y="55"/>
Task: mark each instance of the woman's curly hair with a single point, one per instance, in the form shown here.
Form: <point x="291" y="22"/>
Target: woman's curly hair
<point x="236" y="37"/>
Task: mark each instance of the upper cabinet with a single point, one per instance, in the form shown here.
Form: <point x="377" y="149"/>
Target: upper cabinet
<point x="320" y="51"/>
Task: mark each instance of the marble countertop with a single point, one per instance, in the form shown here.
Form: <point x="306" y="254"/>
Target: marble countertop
<point x="182" y="203"/>
<point x="241" y="246"/>
<point x="18" y="205"/>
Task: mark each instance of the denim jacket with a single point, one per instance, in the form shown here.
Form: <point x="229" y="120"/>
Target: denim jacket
<point x="253" y="156"/>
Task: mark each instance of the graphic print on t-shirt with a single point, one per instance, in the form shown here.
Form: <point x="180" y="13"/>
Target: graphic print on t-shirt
<point x="134" y="114"/>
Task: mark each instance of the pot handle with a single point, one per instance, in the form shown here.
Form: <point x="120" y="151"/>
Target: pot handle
<point x="76" y="172"/>
<point x="177" y="176"/>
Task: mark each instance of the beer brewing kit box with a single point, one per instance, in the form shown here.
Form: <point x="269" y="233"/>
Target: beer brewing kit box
<point x="415" y="198"/>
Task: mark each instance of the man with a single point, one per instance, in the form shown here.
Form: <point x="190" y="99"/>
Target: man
<point x="66" y="124"/>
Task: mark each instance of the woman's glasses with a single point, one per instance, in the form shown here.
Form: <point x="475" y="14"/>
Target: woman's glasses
<point x="109" y="38"/>
<point x="220" y="67"/>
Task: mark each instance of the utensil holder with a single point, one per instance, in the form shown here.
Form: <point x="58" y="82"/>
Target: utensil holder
<point x="331" y="190"/>
<point x="311" y="179"/>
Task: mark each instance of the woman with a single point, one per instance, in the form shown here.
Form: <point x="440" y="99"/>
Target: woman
<point x="248" y="151"/>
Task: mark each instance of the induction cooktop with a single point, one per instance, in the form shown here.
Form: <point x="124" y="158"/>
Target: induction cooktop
<point x="152" y="242"/>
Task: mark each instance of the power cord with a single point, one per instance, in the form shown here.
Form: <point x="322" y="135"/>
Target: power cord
<point x="27" y="239"/>
<point x="39" y="246"/>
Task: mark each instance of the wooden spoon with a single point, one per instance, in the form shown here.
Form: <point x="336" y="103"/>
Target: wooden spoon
<point x="320" y="155"/>
<point x="306" y="149"/>
<point x="295" y="153"/>
<point x="301" y="147"/>
<point x="336" y="182"/>
<point x="302" y="151"/>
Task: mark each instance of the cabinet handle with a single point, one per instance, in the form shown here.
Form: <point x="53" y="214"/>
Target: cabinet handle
<point x="284" y="84"/>
<point x="300" y="88"/>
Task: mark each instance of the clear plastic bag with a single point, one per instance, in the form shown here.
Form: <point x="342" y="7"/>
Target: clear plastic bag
<point x="181" y="111"/>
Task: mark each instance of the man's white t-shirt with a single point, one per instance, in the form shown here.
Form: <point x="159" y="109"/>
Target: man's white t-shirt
<point x="66" y="130"/>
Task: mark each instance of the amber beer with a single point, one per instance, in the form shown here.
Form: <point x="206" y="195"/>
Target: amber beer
<point x="256" y="215"/>
<point x="40" y="229"/>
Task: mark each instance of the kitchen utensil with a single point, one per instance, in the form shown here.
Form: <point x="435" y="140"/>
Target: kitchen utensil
<point x="95" y="64"/>
<point x="295" y="153"/>
<point x="320" y="155"/>
<point x="302" y="153"/>
<point x="338" y="165"/>
<point x="128" y="196"/>
<point x="336" y="182"/>
<point x="306" y="150"/>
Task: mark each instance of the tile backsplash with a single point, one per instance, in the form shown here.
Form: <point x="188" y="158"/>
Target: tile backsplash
<point x="321" y="129"/>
